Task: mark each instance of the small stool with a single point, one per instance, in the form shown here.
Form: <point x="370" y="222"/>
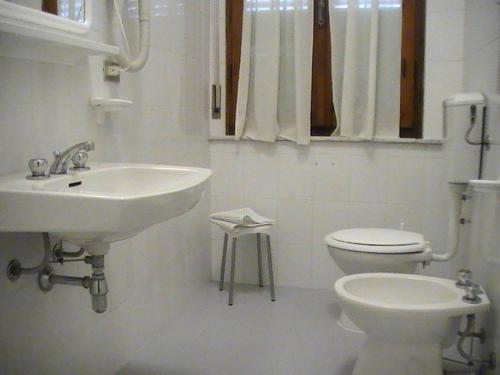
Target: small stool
<point x="234" y="234"/>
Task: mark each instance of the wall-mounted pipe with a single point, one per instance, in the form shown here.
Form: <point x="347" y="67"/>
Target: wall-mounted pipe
<point x="60" y="253"/>
<point x="455" y="221"/>
<point x="15" y="269"/>
<point x="96" y="283"/>
<point x="69" y="280"/>
<point x="145" y="40"/>
<point x="469" y="333"/>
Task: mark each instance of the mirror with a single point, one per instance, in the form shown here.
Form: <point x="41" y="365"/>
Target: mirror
<point x="66" y="15"/>
<point x="70" y="9"/>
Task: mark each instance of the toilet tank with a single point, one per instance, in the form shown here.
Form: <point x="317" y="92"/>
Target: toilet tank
<point x="461" y="111"/>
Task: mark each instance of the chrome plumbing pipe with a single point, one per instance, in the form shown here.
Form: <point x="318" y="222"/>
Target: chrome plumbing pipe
<point x="69" y="280"/>
<point x="60" y="253"/>
<point x="98" y="286"/>
<point x="96" y="283"/>
<point x="470" y="333"/>
<point x="15" y="269"/>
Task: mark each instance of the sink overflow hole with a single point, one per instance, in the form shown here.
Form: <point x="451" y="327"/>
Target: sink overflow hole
<point x="74" y="184"/>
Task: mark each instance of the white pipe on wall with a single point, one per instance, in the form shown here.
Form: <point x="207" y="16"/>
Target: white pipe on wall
<point x="454" y="223"/>
<point x="144" y="44"/>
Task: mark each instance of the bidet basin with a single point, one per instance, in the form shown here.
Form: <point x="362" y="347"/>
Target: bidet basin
<point x="110" y="202"/>
<point x="396" y="302"/>
<point x="408" y="320"/>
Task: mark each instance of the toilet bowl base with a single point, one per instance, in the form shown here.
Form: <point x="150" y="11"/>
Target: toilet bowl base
<point x="379" y="357"/>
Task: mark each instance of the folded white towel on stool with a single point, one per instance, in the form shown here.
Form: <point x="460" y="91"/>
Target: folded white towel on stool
<point x="240" y="218"/>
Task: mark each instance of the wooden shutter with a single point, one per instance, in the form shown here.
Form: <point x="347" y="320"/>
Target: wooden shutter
<point x="323" y="120"/>
<point x="50" y="6"/>
<point x="234" y="26"/>
<point x="412" y="68"/>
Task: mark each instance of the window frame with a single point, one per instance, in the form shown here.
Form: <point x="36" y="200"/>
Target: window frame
<point x="323" y="118"/>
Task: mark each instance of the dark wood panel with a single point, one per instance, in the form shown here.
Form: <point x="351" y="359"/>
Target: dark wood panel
<point x="234" y="26"/>
<point x="323" y="120"/>
<point x="49" y="6"/>
<point x="412" y="68"/>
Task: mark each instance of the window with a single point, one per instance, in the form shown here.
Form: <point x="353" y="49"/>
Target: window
<point x="323" y="118"/>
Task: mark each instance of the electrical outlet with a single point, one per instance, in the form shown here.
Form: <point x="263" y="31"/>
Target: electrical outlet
<point x="111" y="71"/>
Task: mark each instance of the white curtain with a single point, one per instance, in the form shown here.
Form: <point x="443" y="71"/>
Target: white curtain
<point x="274" y="89"/>
<point x="366" y="54"/>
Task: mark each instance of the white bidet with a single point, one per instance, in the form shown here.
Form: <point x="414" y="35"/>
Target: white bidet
<point x="408" y="320"/>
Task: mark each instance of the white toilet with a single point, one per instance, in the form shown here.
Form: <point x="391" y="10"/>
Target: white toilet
<point x="362" y="250"/>
<point x="408" y="320"/>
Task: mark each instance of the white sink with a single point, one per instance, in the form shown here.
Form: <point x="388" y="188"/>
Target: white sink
<point x="109" y="203"/>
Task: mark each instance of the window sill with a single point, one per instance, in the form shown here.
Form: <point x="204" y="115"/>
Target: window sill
<point x="347" y="139"/>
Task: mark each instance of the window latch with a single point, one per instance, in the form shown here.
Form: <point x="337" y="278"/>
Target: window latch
<point x="216" y="101"/>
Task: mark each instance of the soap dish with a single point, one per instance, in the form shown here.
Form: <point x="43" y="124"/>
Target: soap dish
<point x="105" y="105"/>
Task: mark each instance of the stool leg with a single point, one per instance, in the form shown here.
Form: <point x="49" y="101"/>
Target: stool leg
<point x="223" y="263"/>
<point x="259" y="260"/>
<point x="233" y="263"/>
<point x="270" y="264"/>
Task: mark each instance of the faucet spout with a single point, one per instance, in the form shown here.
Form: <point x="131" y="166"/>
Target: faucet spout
<point x="60" y="164"/>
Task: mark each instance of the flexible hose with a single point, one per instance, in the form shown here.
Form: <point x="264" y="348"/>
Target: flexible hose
<point x="46" y="257"/>
<point x="144" y="43"/>
<point x="468" y="138"/>
<point x="467" y="333"/>
<point x="122" y="27"/>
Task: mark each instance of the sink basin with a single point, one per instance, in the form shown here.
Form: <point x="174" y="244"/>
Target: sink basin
<point x="109" y="203"/>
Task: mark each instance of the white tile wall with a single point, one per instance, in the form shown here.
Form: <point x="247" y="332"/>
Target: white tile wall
<point x="482" y="73"/>
<point x="356" y="184"/>
<point x="310" y="191"/>
<point x="44" y="107"/>
<point x="444" y="55"/>
<point x="328" y="186"/>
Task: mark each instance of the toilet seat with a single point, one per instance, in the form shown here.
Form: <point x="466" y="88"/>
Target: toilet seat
<point x="377" y="241"/>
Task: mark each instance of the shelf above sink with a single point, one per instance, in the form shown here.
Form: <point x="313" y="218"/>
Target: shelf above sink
<point x="22" y="40"/>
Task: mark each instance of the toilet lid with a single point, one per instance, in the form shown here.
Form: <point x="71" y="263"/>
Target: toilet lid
<point x="377" y="240"/>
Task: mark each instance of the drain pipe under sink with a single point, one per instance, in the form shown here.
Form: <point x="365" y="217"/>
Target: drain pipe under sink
<point x="96" y="283"/>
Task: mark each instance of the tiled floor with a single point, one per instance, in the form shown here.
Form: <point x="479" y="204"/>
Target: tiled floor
<point x="297" y="334"/>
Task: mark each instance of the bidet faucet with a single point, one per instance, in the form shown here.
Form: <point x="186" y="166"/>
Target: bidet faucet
<point x="472" y="293"/>
<point x="464" y="279"/>
<point x="60" y="164"/>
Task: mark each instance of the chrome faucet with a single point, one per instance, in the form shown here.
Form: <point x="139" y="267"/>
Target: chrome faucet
<point x="464" y="279"/>
<point x="60" y="164"/>
<point x="472" y="293"/>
